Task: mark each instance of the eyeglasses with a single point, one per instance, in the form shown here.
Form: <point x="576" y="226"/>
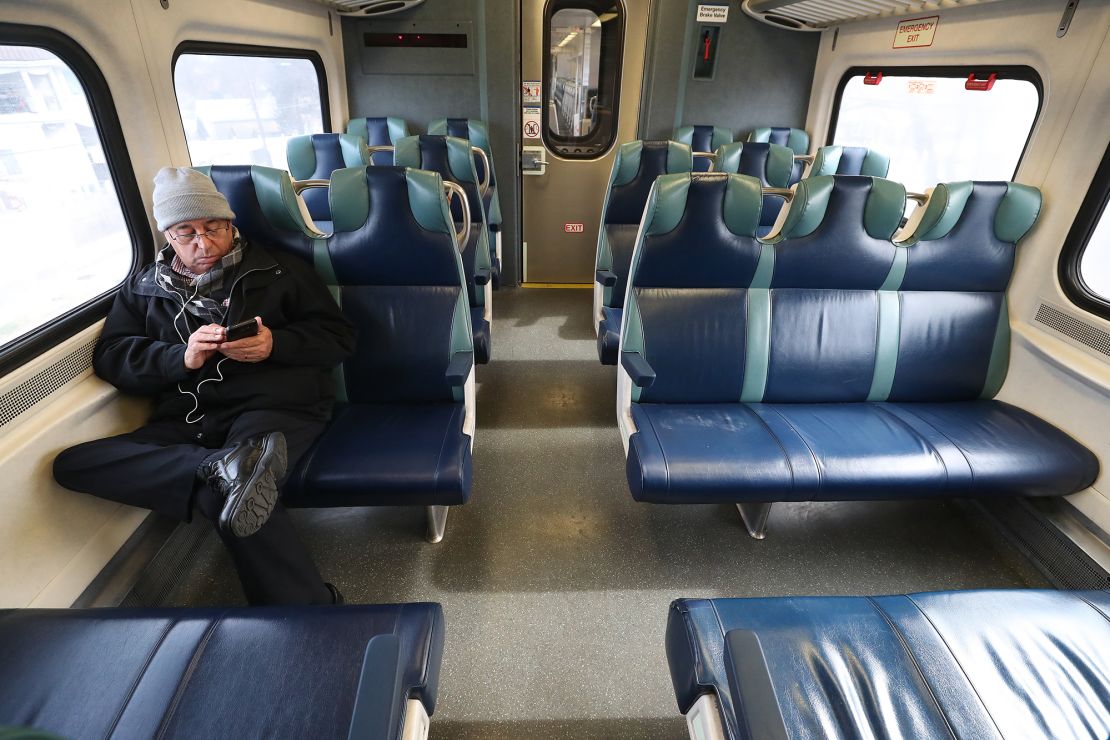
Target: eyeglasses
<point x="192" y="237"/>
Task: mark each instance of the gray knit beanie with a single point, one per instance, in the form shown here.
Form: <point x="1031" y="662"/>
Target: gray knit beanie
<point x="184" y="194"/>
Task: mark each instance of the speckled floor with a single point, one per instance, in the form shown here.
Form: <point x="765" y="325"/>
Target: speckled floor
<point x="556" y="583"/>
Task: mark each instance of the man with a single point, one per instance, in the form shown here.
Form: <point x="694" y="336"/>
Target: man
<point x="231" y="417"/>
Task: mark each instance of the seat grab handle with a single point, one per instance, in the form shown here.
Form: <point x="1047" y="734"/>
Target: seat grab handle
<point x="452" y="189"/>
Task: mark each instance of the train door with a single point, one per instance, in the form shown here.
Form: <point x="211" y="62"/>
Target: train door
<point x="582" y="66"/>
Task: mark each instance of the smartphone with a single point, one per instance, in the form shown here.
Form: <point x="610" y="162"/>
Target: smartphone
<point x="242" y="330"/>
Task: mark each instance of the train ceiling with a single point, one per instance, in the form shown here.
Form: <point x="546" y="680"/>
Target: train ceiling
<point x="817" y="15"/>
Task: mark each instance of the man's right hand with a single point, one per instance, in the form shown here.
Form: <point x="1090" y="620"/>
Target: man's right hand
<point x="202" y="343"/>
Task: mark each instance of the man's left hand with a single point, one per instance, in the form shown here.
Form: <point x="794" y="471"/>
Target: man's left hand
<point x="250" y="349"/>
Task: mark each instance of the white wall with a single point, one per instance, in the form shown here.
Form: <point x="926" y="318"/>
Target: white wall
<point x="56" y="541"/>
<point x="1067" y="385"/>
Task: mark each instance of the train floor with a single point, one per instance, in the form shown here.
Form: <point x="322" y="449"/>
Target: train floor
<point x="555" y="583"/>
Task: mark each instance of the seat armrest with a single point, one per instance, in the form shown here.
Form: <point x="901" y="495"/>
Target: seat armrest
<point x="378" y="699"/>
<point x="607" y="278"/>
<point x="458" y="370"/>
<point x="481" y="277"/>
<point x="638" y="368"/>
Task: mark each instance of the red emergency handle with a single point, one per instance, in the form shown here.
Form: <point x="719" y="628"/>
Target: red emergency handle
<point x="872" y="79"/>
<point x="974" y="84"/>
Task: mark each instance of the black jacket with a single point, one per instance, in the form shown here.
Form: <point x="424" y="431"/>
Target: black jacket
<point x="141" y="352"/>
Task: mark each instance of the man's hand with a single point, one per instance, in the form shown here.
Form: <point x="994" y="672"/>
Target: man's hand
<point x="202" y="344"/>
<point x="251" y="349"/>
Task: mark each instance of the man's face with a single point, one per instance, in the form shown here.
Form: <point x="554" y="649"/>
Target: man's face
<point x="200" y="244"/>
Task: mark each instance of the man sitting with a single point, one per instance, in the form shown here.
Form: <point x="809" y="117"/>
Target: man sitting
<point x="230" y="416"/>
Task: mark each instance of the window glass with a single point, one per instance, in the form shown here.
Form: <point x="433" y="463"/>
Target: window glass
<point x="934" y="130"/>
<point x="66" y="241"/>
<point x="242" y="109"/>
<point x="582" y="81"/>
<point x="1094" y="263"/>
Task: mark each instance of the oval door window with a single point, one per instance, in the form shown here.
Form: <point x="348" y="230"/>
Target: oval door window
<point x="584" y="42"/>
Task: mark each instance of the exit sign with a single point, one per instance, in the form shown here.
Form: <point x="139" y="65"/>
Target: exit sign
<point x="574" y="228"/>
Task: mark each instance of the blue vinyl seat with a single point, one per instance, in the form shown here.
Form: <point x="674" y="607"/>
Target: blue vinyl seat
<point x="363" y="672"/>
<point x="452" y="159"/>
<point x="794" y="139"/>
<point x="477" y="133"/>
<point x="315" y="157"/>
<point x="379" y="131"/>
<point x="828" y="362"/>
<point x="403" y="425"/>
<point x="964" y="664"/>
<point x="849" y="160"/>
<point x="635" y="168"/>
<point x="771" y="164"/>
<point x="703" y="139"/>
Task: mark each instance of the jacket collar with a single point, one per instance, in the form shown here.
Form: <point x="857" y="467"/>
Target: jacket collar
<point x="257" y="268"/>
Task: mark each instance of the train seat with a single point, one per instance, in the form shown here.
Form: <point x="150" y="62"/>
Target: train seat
<point x="477" y="133"/>
<point x="451" y="158"/>
<point x="983" y="664"/>
<point x="315" y="157"/>
<point x="849" y="160"/>
<point x="317" y="671"/>
<point x="403" y="426"/>
<point x="379" y="131"/>
<point x="829" y="363"/>
<point x="703" y="139"/>
<point x="635" y="168"/>
<point x="794" y="139"/>
<point x="771" y="164"/>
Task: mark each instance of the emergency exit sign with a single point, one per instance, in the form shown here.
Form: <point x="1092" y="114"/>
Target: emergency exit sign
<point x="574" y="228"/>
<point x="916" y="32"/>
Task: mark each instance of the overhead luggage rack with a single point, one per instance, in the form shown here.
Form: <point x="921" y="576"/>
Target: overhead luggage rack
<point x="817" y="15"/>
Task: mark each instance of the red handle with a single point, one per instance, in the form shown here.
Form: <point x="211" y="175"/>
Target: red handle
<point x="983" y="85"/>
<point x="707" y="46"/>
<point x="873" y="79"/>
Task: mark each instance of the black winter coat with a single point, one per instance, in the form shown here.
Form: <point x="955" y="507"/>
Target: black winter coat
<point x="140" y="351"/>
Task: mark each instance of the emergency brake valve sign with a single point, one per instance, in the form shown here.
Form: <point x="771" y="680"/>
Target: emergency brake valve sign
<point x="574" y="228"/>
<point x="916" y="32"/>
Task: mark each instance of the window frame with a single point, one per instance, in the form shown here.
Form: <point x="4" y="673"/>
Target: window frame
<point x="98" y="95"/>
<point x="219" y="48"/>
<point x="1095" y="207"/>
<point x="957" y="71"/>
<point x="550" y="141"/>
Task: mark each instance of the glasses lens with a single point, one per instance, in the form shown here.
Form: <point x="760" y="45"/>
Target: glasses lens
<point x="185" y="238"/>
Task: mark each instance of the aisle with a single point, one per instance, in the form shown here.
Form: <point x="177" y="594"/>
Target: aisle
<point x="555" y="583"/>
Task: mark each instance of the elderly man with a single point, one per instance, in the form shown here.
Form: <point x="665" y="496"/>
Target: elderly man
<point x="231" y="415"/>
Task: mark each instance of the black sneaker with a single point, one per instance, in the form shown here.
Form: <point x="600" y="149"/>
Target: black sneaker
<point x="247" y="478"/>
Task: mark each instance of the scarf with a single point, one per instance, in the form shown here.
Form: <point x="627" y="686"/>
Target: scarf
<point x="204" y="295"/>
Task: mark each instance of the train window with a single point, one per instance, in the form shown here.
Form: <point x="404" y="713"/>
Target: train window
<point x="937" y="124"/>
<point x="584" y="41"/>
<point x="1085" y="259"/>
<point x="239" y="104"/>
<point x="67" y="193"/>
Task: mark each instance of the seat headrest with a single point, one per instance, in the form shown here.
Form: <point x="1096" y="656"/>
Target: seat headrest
<point x="836" y="233"/>
<point x="635" y="168"/>
<point x="1012" y="207"/>
<point x="267" y="210"/>
<point x="316" y="156"/>
<point x="448" y="155"/>
<point x="379" y="131"/>
<point x="703" y="138"/>
<point x="771" y="164"/>
<point x="471" y="129"/>
<point x="699" y="231"/>
<point x="794" y="139"/>
<point x="849" y="160"/>
<point x="392" y="227"/>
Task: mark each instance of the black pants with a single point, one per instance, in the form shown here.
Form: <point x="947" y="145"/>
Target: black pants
<point x="154" y="467"/>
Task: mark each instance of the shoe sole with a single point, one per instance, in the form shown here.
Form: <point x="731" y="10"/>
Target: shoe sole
<point x="260" y="494"/>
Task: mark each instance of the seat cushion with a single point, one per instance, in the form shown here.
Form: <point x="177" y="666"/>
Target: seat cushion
<point x="982" y="664"/>
<point x="609" y="335"/>
<point x="386" y="455"/>
<point x="711" y="453"/>
<point x="258" y="672"/>
<point x="483" y="341"/>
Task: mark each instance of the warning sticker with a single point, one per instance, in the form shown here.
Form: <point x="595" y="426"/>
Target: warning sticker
<point x="712" y="14"/>
<point x="530" y="92"/>
<point x="531" y="121"/>
<point x="916" y="32"/>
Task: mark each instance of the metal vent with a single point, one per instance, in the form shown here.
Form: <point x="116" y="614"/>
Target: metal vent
<point x="1074" y="328"/>
<point x="33" y="390"/>
<point x="370" y="8"/>
<point x="817" y="15"/>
